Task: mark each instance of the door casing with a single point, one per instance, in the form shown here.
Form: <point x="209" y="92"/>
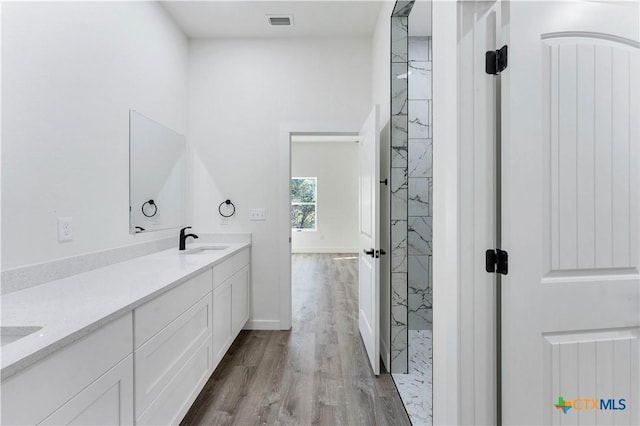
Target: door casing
<point x="284" y="203"/>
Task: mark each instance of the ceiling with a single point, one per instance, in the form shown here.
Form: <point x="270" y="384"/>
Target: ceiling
<point x="247" y="19"/>
<point x="420" y="19"/>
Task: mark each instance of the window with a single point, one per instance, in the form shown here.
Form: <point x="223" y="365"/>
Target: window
<point x="304" y="193"/>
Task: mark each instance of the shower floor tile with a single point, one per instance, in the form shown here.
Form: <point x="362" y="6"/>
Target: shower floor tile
<point x="416" y="387"/>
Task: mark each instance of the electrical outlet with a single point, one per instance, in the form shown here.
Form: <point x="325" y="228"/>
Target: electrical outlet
<point x="65" y="232"/>
<point x="257" y="214"/>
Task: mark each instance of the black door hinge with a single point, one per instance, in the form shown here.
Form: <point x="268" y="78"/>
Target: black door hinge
<point x="497" y="261"/>
<point x="496" y="60"/>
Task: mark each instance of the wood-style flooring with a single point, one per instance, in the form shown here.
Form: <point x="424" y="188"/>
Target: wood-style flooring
<point x="315" y="374"/>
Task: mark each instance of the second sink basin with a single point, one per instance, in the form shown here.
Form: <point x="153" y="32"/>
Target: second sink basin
<point x="203" y="249"/>
<point x="11" y="334"/>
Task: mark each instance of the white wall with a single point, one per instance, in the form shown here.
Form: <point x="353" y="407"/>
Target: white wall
<point x="381" y="61"/>
<point x="70" y="73"/>
<point x="335" y="164"/>
<point x="241" y="92"/>
<point x="381" y="90"/>
<point x="446" y="216"/>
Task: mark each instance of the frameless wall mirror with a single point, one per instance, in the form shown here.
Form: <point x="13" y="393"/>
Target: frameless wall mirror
<point x="157" y="176"/>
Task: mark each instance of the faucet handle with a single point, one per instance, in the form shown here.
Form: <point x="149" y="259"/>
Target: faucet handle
<point x="184" y="229"/>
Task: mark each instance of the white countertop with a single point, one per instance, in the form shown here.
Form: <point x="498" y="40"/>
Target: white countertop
<point x="70" y="308"/>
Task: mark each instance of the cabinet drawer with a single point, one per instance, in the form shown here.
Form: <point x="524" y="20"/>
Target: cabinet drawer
<point x="156" y="314"/>
<point x="176" y="398"/>
<point x="159" y="360"/>
<point x="224" y="270"/>
<point x="33" y="394"/>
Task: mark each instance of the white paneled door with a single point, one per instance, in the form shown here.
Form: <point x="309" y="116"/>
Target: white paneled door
<point x="571" y="184"/>
<point x="369" y="263"/>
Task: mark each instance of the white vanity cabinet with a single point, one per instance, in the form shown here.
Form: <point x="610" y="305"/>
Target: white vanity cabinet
<point x="181" y="336"/>
<point x="231" y="288"/>
<point x="88" y="382"/>
<point x="146" y="367"/>
<point x="172" y="354"/>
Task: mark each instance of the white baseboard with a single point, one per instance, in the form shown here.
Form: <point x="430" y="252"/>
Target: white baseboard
<point x="262" y="325"/>
<point x="385" y="354"/>
<point x="324" y="250"/>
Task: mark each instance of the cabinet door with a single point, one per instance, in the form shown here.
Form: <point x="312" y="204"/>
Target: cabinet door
<point x="240" y="300"/>
<point x="107" y="401"/>
<point x="222" y="331"/>
<point x="43" y="388"/>
<point x="164" y="356"/>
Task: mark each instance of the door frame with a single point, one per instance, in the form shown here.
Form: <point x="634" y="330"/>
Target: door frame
<point x="479" y="197"/>
<point x="284" y="203"/>
<point x="458" y="332"/>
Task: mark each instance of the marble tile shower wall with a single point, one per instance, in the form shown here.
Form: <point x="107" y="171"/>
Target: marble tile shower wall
<point x="411" y="183"/>
<point x="399" y="191"/>
<point x="420" y="183"/>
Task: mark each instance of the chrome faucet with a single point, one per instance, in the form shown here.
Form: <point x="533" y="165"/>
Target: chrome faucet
<point x="184" y="237"/>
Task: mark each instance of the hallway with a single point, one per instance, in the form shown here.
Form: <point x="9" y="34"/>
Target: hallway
<point x="317" y="373"/>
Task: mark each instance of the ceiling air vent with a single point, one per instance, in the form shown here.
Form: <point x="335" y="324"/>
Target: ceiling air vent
<point x="280" y="20"/>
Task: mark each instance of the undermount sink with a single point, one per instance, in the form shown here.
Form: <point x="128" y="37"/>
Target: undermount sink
<point x="203" y="249"/>
<point x="11" y="334"/>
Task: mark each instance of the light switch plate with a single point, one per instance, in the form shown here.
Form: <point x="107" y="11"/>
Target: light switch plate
<point x="65" y="231"/>
<point x="257" y="214"/>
